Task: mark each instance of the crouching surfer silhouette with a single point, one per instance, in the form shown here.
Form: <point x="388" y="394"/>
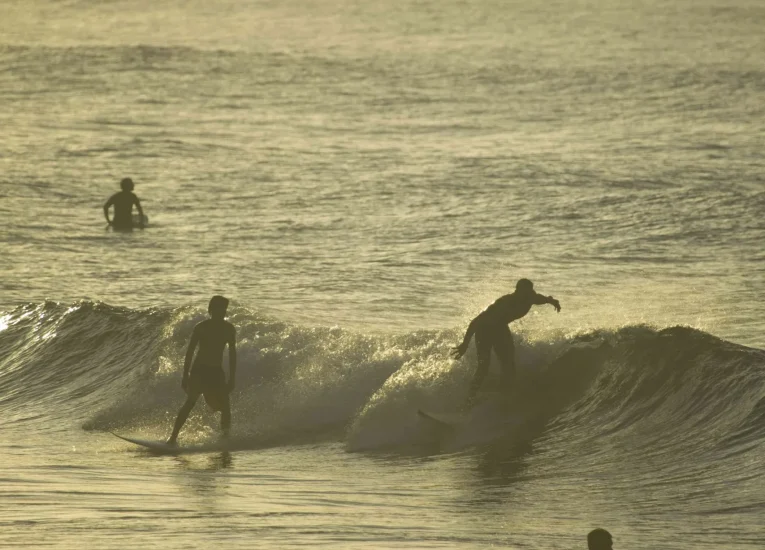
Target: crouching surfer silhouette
<point x="491" y="332"/>
<point x="206" y="376"/>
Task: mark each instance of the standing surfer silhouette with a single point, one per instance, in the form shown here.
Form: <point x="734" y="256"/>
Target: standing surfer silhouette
<point x="206" y="376"/>
<point x="123" y="202"/>
<point x="491" y="332"/>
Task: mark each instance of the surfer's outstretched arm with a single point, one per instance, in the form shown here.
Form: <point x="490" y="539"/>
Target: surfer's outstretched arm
<point x="460" y="350"/>
<point x="189" y="356"/>
<point x="538" y="299"/>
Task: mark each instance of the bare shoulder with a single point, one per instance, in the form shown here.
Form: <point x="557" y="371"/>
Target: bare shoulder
<point x="506" y="299"/>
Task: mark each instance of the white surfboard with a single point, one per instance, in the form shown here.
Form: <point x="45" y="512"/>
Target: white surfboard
<point x="137" y="220"/>
<point x="162" y="447"/>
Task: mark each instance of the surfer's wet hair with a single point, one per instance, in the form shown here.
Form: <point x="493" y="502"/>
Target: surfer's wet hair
<point x="524" y="285"/>
<point x="127" y="184"/>
<point x="218" y="306"/>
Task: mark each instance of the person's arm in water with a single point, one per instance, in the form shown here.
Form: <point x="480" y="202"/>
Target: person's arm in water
<point x="140" y="210"/>
<point x="107" y="204"/>
<point x="189" y="356"/>
<point x="232" y="360"/>
<point x="538" y="300"/>
<point x="460" y="350"/>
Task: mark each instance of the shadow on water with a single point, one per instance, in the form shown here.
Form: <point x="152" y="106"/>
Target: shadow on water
<point x="221" y="461"/>
<point x="201" y="462"/>
<point x="567" y="379"/>
<point x="503" y="463"/>
<point x="203" y="475"/>
<point x="500" y="432"/>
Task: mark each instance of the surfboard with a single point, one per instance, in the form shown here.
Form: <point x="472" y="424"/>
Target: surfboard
<point x="162" y="447"/>
<point x="458" y="420"/>
<point x="445" y="419"/>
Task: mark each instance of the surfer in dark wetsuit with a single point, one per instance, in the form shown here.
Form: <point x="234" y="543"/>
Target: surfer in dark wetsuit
<point x="206" y="376"/>
<point x="491" y="332"/>
<point x="123" y="202"/>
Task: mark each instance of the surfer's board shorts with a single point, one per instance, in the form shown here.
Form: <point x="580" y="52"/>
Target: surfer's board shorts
<point x="210" y="382"/>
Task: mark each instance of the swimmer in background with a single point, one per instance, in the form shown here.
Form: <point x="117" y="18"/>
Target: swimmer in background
<point x="123" y="202"/>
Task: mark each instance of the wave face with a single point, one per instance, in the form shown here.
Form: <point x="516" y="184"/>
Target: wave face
<point x="653" y="395"/>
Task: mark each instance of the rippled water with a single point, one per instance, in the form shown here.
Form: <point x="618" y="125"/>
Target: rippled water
<point x="361" y="179"/>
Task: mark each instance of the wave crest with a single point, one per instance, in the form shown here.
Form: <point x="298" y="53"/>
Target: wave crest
<point x="108" y="368"/>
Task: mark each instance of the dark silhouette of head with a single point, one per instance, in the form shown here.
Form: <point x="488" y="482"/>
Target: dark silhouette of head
<point x="524" y="286"/>
<point x="599" y="539"/>
<point x="218" y="306"/>
<point x="127" y="184"/>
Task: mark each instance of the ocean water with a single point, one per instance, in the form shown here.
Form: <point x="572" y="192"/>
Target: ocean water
<point x="361" y="179"/>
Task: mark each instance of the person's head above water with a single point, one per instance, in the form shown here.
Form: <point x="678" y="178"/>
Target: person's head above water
<point x="127" y="184"/>
<point x="599" y="539"/>
<point x="218" y="306"/>
<point x="524" y="286"/>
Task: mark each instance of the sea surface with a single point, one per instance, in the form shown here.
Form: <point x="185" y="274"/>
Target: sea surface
<point x="361" y="178"/>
